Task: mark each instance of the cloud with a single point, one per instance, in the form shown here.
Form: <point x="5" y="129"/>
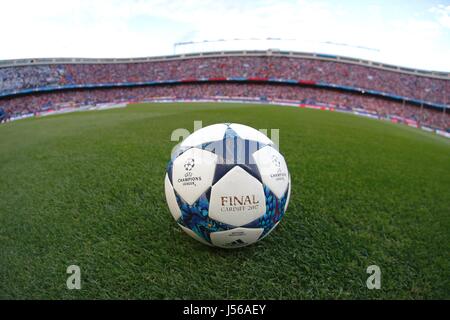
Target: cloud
<point x="442" y="14"/>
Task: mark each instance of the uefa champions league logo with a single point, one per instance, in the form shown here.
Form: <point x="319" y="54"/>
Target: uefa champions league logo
<point x="279" y="175"/>
<point x="276" y="162"/>
<point x="189" y="164"/>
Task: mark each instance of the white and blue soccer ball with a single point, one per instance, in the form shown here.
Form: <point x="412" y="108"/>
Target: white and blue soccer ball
<point x="227" y="185"/>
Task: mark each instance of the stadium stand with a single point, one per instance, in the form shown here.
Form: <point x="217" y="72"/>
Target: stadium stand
<point x="33" y="86"/>
<point x="3" y="115"/>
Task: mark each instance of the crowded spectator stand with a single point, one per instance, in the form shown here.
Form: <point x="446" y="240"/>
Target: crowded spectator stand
<point x="400" y="94"/>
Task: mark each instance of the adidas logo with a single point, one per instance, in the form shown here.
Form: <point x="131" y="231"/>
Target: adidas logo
<point x="237" y="242"/>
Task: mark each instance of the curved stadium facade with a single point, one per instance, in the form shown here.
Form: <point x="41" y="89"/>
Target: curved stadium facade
<point x="416" y="97"/>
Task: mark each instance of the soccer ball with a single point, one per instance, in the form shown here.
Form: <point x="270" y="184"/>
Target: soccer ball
<point x="227" y="185"/>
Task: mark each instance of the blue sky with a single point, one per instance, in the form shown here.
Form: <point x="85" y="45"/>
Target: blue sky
<point x="414" y="33"/>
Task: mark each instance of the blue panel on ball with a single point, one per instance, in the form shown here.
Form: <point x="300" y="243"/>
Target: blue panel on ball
<point x="274" y="212"/>
<point x="230" y="133"/>
<point x="222" y="169"/>
<point x="179" y="150"/>
<point x="195" y="217"/>
<point x="169" y="171"/>
<point x="234" y="151"/>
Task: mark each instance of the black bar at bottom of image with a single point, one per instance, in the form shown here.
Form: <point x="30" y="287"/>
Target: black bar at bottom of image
<point x="223" y="309"/>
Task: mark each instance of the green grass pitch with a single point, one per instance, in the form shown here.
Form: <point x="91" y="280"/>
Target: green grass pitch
<point x="87" y="189"/>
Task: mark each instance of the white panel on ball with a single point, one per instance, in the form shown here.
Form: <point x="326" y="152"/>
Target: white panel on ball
<point x="289" y="195"/>
<point x="194" y="235"/>
<point x="248" y="133"/>
<point x="214" y="132"/>
<point x="273" y="170"/>
<point x="235" y="238"/>
<point x="171" y="199"/>
<point x="193" y="173"/>
<point x="237" y="198"/>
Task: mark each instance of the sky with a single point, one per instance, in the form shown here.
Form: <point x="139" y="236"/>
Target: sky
<point x="410" y="33"/>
